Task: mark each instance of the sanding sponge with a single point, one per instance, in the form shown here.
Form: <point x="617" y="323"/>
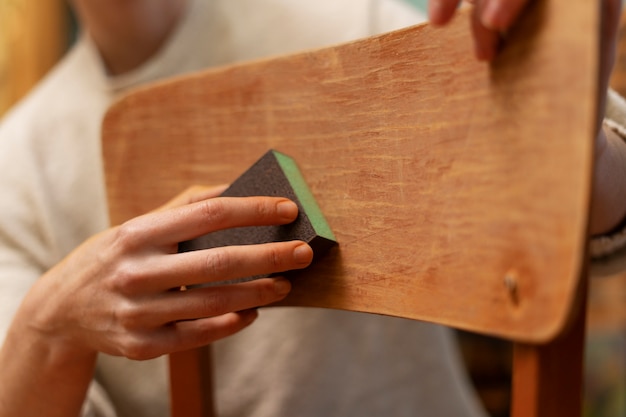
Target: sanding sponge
<point x="274" y="175"/>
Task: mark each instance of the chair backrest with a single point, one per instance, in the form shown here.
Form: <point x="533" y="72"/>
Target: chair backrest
<point x="458" y="191"/>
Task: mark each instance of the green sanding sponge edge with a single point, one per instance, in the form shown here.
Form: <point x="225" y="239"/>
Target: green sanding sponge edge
<point x="304" y="195"/>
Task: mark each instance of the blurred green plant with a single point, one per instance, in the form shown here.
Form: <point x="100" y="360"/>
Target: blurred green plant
<point x="420" y="4"/>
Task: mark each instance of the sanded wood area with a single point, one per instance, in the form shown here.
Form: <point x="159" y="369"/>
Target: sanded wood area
<point x="458" y="191"/>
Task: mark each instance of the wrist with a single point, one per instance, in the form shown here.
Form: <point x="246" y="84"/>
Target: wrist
<point x="42" y="375"/>
<point x="47" y="340"/>
<point x="43" y="321"/>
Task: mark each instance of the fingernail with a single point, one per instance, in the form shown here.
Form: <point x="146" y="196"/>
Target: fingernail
<point x="303" y="254"/>
<point x="287" y="209"/>
<point x="282" y="286"/>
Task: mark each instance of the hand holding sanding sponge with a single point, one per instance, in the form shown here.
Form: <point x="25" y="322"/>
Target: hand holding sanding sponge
<point x="275" y="175"/>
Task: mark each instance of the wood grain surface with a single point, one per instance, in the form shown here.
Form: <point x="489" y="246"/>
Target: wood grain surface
<point x="458" y="191"/>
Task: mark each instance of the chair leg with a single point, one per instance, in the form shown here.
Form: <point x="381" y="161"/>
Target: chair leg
<point x="191" y="383"/>
<point x="548" y="379"/>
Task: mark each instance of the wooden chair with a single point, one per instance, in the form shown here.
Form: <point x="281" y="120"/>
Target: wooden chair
<point x="458" y="190"/>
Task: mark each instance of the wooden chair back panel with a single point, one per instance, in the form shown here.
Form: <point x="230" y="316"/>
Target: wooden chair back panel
<point x="458" y="190"/>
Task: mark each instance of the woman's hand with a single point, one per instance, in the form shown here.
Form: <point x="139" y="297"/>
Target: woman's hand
<point x="119" y="293"/>
<point x="493" y="18"/>
<point x="490" y="18"/>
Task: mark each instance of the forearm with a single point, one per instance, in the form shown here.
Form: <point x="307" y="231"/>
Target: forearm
<point x="39" y="377"/>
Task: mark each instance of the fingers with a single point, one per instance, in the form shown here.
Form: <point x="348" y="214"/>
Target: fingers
<point x="193" y="220"/>
<point x="486" y="41"/>
<point x="123" y="277"/>
<point x="197" y="303"/>
<point x="161" y="273"/>
<point x="183" y="320"/>
<point x="490" y="19"/>
<point x="207" y="216"/>
<point x="183" y="335"/>
<point x="499" y="15"/>
<point x="441" y="11"/>
<point x="187" y="335"/>
<point x="149" y="324"/>
<point x="227" y="263"/>
<point x="216" y="301"/>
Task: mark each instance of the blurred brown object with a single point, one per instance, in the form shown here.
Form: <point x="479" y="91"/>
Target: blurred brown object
<point x="489" y="364"/>
<point x="607" y="304"/>
<point x="618" y="78"/>
<point x="33" y="36"/>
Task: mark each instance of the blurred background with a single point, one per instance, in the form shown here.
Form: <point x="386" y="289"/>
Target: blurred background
<point x="34" y="34"/>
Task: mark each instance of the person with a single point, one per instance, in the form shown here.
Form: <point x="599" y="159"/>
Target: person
<point x="81" y="302"/>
